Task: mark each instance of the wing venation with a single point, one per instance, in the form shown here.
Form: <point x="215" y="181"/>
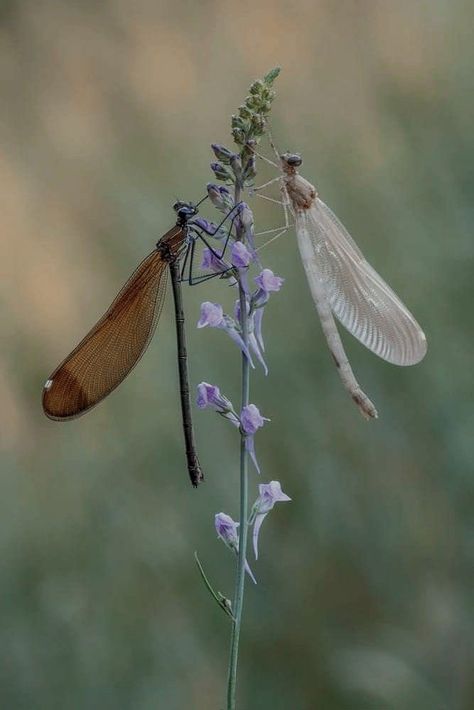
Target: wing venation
<point x="112" y="348"/>
<point x="358" y="296"/>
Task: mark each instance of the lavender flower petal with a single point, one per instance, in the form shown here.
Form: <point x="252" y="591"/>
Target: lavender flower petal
<point x="250" y="449"/>
<point x="268" y="282"/>
<point x="249" y="572"/>
<point x="212" y="262"/>
<point x="240" y="255"/>
<point x="212" y="314"/>
<point x="256" y="531"/>
<point x="226" y="529"/>
<point x="270" y="493"/>
<point x="251" y="420"/>
<point x="255" y="347"/>
<point x="228" y="325"/>
<point x="210" y="396"/>
<point x="257" y="321"/>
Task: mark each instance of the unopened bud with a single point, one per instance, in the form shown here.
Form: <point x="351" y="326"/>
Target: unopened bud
<point x="236" y="165"/>
<point x="256" y="87"/>
<point x="250" y="169"/>
<point x="222" y="153"/>
<point x="221" y="172"/>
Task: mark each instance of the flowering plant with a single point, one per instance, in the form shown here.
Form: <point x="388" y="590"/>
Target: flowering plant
<point x="237" y="169"/>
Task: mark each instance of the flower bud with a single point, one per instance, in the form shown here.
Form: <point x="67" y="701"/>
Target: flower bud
<point x="236" y="165"/>
<point x="244" y="112"/>
<point x="257" y="87"/>
<point x="226" y="529"/>
<point x="271" y="76"/>
<point x="250" y="169"/>
<point x="221" y="172"/>
<point x="238" y="135"/>
<point x="220" y="197"/>
<point x="238" y="122"/>
<point x="222" y="153"/>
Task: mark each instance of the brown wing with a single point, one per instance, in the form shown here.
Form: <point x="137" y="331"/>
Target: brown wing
<point x="113" y="347"/>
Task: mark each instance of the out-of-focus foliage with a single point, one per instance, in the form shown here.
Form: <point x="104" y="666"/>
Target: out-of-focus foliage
<point x="107" y="112"/>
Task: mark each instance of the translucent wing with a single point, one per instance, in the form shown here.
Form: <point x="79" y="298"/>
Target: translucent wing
<point x="114" y="345"/>
<point x="358" y="296"/>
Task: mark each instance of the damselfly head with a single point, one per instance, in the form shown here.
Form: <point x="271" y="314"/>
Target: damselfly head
<point x="292" y="160"/>
<point x="184" y="210"/>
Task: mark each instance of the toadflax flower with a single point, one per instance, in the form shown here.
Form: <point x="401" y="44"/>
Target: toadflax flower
<point x="210" y="228"/>
<point x="241" y="258"/>
<point x="212" y="262"/>
<point x="246" y="221"/>
<point x="212" y="315"/>
<point x="226" y="529"/>
<point x="270" y="493"/>
<point x="210" y="396"/>
<point x="267" y="283"/>
<point x="240" y="255"/>
<point x="250" y="421"/>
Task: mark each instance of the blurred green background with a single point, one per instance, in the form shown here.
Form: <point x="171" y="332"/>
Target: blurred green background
<point x="364" y="595"/>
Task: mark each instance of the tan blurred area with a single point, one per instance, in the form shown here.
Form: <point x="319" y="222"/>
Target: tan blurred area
<point x="107" y="112"/>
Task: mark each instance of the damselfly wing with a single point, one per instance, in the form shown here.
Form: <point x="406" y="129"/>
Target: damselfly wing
<point x="343" y="282"/>
<point x="112" y="348"/>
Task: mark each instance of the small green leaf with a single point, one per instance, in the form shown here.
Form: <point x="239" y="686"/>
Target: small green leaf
<point x="224" y="603"/>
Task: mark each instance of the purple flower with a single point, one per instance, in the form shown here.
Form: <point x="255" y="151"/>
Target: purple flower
<point x="246" y="221"/>
<point x="270" y="493"/>
<point x="212" y="314"/>
<point x="250" y="421"/>
<point x="240" y="255"/>
<point x="210" y="396"/>
<point x="268" y="282"/>
<point x="212" y="262"/>
<point x="209" y="227"/>
<point x="226" y="529"/>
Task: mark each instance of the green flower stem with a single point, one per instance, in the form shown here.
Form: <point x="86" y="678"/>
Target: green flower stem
<point x="243" y="528"/>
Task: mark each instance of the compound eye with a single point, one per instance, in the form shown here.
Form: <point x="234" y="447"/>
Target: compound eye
<point x="294" y="160"/>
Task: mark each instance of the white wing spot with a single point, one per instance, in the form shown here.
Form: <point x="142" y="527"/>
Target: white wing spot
<point x="48" y="384"/>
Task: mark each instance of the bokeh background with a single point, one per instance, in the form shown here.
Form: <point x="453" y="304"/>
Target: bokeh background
<point x="364" y="595"/>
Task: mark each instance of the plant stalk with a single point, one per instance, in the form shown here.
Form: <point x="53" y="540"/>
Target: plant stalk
<point x="243" y="528"/>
